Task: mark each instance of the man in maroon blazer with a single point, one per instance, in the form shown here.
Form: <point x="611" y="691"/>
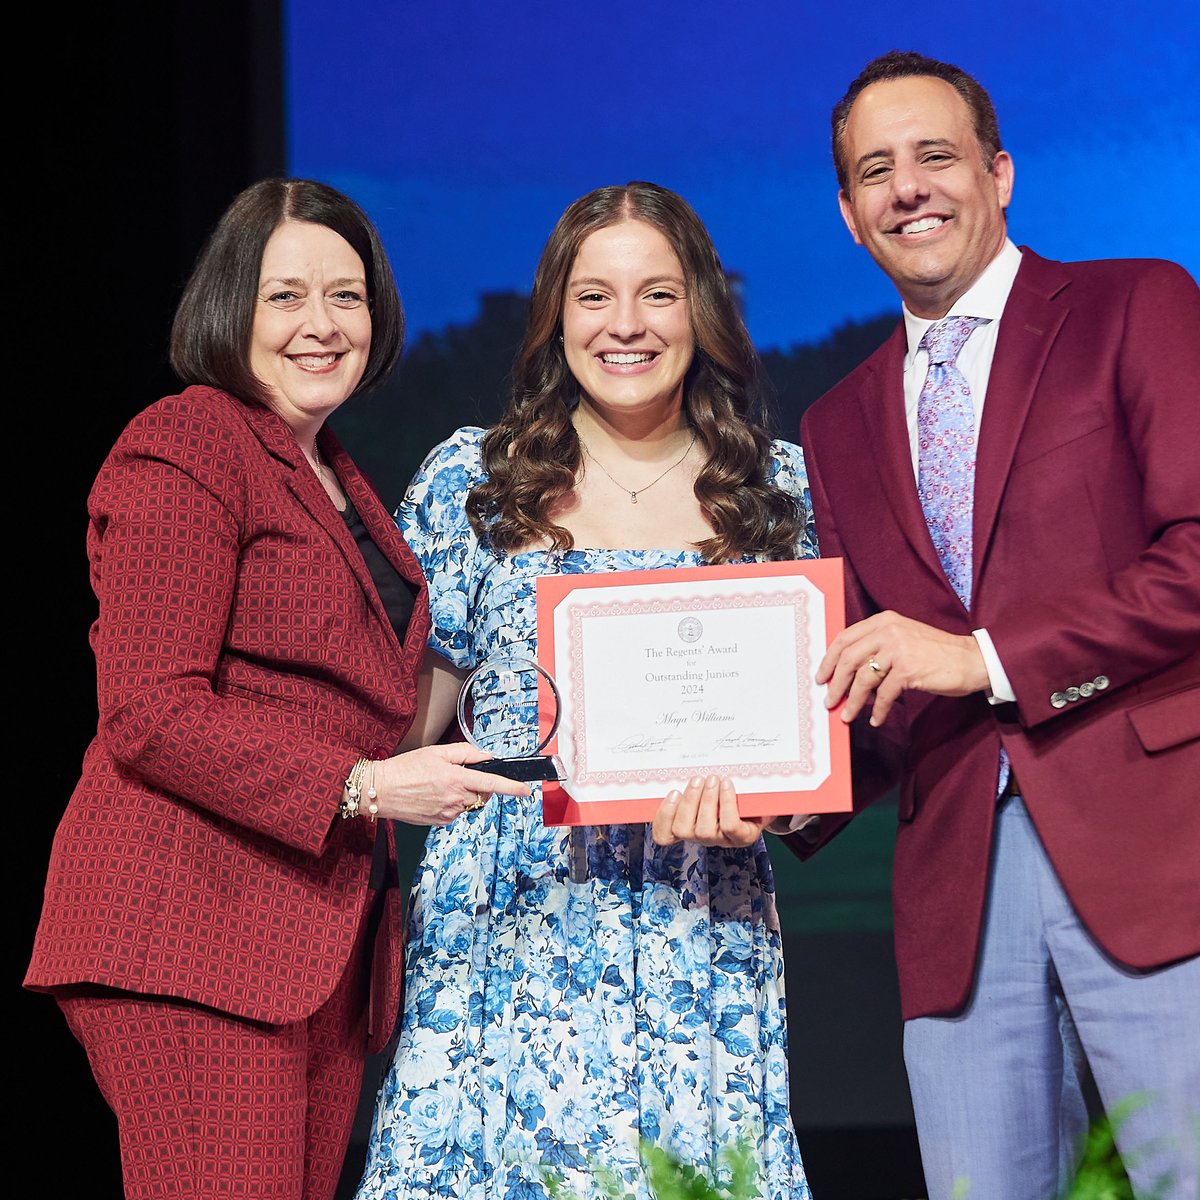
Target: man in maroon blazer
<point x="1024" y="650"/>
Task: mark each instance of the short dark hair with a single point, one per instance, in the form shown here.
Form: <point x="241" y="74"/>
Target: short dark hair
<point x="904" y="64"/>
<point x="210" y="337"/>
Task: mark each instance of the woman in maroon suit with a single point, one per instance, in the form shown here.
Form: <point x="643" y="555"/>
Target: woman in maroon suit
<point x="218" y="925"/>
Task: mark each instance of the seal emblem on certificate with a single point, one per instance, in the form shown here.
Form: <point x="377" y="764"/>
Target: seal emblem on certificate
<point x="663" y="675"/>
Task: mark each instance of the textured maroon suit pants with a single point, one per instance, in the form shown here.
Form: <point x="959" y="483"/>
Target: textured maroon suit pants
<point x="213" y="1107"/>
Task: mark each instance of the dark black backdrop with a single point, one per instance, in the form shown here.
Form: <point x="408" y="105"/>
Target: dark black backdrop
<point x="134" y="128"/>
<point x="137" y="131"/>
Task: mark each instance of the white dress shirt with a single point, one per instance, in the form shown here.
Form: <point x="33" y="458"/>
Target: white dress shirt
<point x="986" y="297"/>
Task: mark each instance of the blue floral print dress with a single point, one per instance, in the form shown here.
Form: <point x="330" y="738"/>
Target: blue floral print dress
<point x="570" y="992"/>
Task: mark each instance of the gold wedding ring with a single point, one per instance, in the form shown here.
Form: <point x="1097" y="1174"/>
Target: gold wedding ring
<point x="479" y="803"/>
<point x="874" y="665"/>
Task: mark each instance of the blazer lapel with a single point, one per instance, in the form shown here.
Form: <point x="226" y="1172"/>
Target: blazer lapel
<point x="382" y="528"/>
<point x="885" y="430"/>
<point x="1032" y="318"/>
<point x="301" y="481"/>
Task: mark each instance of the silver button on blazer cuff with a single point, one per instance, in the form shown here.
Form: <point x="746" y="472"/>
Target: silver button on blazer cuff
<point x="1084" y="690"/>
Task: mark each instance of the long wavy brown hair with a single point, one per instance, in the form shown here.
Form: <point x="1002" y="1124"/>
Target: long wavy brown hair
<point x="532" y="455"/>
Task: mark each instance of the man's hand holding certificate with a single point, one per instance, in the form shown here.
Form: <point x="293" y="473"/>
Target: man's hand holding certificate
<point x="669" y="675"/>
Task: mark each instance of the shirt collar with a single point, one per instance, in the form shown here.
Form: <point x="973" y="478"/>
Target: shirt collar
<point x="986" y="297"/>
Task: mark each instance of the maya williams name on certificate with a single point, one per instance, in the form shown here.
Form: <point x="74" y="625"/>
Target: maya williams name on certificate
<point x="666" y="675"/>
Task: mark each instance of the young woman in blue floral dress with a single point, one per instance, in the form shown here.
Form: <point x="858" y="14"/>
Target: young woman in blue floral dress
<point x="573" y="993"/>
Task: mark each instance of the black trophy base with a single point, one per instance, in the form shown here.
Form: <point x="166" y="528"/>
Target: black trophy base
<point x="524" y="770"/>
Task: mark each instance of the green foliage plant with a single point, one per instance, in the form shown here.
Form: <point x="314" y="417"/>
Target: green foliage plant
<point x="669" y="1179"/>
<point x="1100" y="1175"/>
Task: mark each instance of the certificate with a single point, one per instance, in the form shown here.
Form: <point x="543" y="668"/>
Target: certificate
<point x="668" y="674"/>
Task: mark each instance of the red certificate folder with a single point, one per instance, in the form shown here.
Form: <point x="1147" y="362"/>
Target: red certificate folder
<point x="804" y="783"/>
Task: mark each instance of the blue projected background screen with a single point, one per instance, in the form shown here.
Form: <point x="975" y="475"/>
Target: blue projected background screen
<point x="465" y="128"/>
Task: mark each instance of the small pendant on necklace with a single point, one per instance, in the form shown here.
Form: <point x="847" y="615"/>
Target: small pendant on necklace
<point x="633" y="497"/>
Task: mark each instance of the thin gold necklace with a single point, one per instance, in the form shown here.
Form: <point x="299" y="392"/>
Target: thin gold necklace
<point x="319" y="465"/>
<point x="633" y="493"/>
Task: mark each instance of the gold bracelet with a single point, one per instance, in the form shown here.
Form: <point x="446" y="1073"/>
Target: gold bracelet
<point x="372" y="796"/>
<point x="350" y="798"/>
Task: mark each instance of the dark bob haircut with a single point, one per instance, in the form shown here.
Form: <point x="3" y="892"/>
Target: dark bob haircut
<point x="905" y="64"/>
<point x="210" y="338"/>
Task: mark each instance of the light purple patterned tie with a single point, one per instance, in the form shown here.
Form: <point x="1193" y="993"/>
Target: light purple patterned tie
<point x="946" y="450"/>
<point x="946" y="458"/>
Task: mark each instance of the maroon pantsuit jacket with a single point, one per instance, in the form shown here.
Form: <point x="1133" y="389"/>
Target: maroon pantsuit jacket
<point x="244" y="662"/>
<point x="1086" y="576"/>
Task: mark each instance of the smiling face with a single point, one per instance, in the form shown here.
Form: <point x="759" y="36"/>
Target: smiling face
<point x="312" y="325"/>
<point x="626" y="322"/>
<point x="920" y="199"/>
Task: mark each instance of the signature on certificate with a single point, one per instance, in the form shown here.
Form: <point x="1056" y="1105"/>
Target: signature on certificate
<point x="644" y="744"/>
<point x="745" y="741"/>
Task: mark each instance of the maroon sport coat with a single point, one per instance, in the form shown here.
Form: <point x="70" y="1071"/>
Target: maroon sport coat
<point x="1087" y="577"/>
<point x="244" y="662"/>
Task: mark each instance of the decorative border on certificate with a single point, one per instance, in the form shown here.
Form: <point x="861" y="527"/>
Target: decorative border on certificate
<point x="796" y="602"/>
<point x="670" y="673"/>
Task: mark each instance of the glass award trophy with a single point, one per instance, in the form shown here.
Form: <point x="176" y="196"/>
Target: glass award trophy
<point x="504" y="689"/>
